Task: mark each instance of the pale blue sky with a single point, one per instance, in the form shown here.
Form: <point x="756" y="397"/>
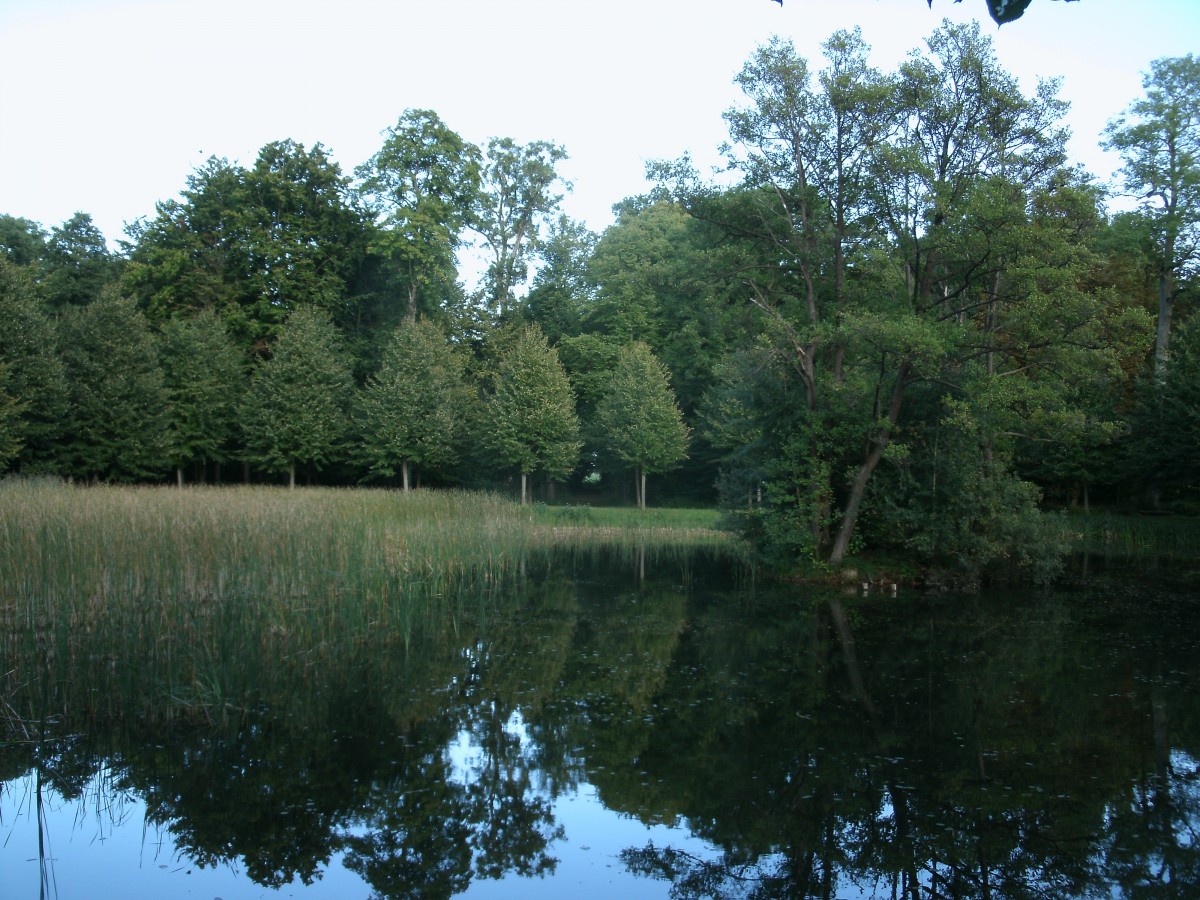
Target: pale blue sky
<point x="108" y="105"/>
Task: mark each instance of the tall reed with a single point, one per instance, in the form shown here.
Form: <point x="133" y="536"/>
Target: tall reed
<point x="198" y="601"/>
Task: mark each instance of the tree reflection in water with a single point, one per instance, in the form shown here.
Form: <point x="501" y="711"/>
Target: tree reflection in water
<point x="985" y="746"/>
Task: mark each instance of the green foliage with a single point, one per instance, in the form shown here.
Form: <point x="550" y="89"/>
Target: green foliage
<point x="1164" y="436"/>
<point x="1159" y="140"/>
<point x="296" y="409"/>
<point x="420" y="186"/>
<point x="117" y="424"/>
<point x="952" y="503"/>
<point x="639" y="418"/>
<point x="413" y="410"/>
<point x="34" y="379"/>
<point x="11" y="409"/>
<point x="563" y="287"/>
<point x="254" y="243"/>
<point x="516" y="196"/>
<point x="531" y="418"/>
<point x="205" y="377"/>
<point x="22" y="242"/>
<point x="76" y="265"/>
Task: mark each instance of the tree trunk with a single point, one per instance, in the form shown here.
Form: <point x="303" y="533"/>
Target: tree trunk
<point x="524" y="478"/>
<point x="859" y="488"/>
<point x="1163" y="336"/>
<point x="404" y="469"/>
<point x="291" y="476"/>
<point x="179" y="476"/>
<point x="641" y="489"/>
<point x="411" y="312"/>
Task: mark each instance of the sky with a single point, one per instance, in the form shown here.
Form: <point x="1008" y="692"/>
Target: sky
<point x="108" y="106"/>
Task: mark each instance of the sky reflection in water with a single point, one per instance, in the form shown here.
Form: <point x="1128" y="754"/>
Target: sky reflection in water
<point x="607" y="735"/>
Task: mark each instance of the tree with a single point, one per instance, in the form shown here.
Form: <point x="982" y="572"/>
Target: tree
<point x="205" y="379"/>
<point x="11" y="409"/>
<point x="640" y="419"/>
<point x="304" y="237"/>
<point x="192" y="255"/>
<point x="77" y="264"/>
<point x="412" y="410"/>
<point x="34" y="370"/>
<point x="889" y="232"/>
<point x="253" y="244"/>
<point x="516" y="197"/>
<point x="22" y="241"/>
<point x="117" y="427"/>
<point x="1158" y="138"/>
<point x="562" y="287"/>
<point x="295" y="411"/>
<point x="421" y="187"/>
<point x="531" y="418"/>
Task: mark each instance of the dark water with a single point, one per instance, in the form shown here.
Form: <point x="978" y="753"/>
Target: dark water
<point x="674" y="735"/>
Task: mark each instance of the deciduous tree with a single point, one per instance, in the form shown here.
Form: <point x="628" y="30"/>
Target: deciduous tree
<point x="117" y="425"/>
<point x="639" y="417"/>
<point x="531" y="419"/>
<point x="1159" y="139"/>
<point x="412" y="411"/>
<point x="517" y="196"/>
<point x="35" y="377"/>
<point x="421" y="187"/>
<point x="296" y="409"/>
<point x="205" y="379"/>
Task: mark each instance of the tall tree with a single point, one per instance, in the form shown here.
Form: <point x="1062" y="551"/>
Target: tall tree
<point x="205" y="377"/>
<point x="11" y="408"/>
<point x="412" y="410"/>
<point x="1158" y="138"/>
<point x="253" y="243"/>
<point x="193" y="255"/>
<point x="639" y="417"/>
<point x="22" y="241"/>
<point x="77" y="264"/>
<point x="421" y="187"/>
<point x="296" y="409"/>
<point x="304" y="236"/>
<point x="886" y="234"/>
<point x="516" y="197"/>
<point x="35" y="376"/>
<point x="531" y="418"/>
<point x="563" y="288"/>
<point x="117" y="427"/>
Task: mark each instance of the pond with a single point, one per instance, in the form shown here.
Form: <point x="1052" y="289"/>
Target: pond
<point x="663" y="728"/>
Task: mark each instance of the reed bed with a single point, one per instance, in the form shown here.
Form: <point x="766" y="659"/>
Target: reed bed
<point x="199" y="601"/>
<point x="1135" y="537"/>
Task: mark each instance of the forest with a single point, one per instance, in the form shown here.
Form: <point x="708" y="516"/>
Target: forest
<point x="899" y="319"/>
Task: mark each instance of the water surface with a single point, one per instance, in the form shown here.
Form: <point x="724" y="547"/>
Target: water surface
<point x="654" y="729"/>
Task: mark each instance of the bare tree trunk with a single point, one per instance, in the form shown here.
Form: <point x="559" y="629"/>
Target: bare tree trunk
<point x="411" y="312"/>
<point x="1163" y="336"/>
<point x="859" y="488"/>
<point x="291" y="476"/>
<point x="179" y="476"/>
<point x="524" y="478"/>
<point x="404" y="469"/>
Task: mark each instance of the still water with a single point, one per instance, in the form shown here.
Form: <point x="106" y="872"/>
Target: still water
<point x="665" y="729"/>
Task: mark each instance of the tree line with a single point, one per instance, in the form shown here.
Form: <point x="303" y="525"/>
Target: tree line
<point x="898" y="318"/>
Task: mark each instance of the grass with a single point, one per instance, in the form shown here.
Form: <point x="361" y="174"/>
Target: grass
<point x="199" y="600"/>
<point x="1134" y="537"/>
